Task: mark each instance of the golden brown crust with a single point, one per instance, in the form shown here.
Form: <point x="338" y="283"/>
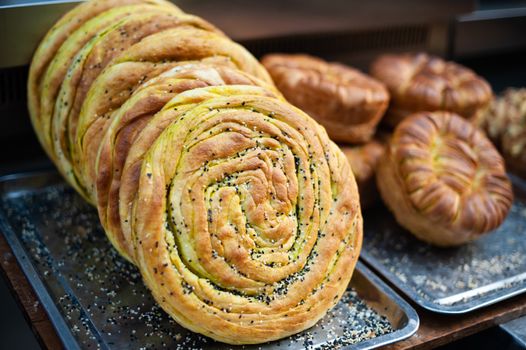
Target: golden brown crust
<point x="241" y="215"/>
<point x="62" y="70"/>
<point x="172" y="45"/>
<point x="91" y="61"/>
<point x="363" y="160"/>
<point x="348" y="103"/>
<point x="133" y="119"/>
<point x="129" y="176"/>
<point x="420" y="82"/>
<point x="443" y="179"/>
<point x="221" y="194"/>
<point x="505" y="123"/>
<point x="63" y="30"/>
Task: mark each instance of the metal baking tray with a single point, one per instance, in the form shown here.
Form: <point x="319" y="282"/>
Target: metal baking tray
<point x="451" y="280"/>
<point x="95" y="299"/>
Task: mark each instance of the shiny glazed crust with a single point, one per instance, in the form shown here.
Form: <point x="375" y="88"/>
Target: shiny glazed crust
<point x="420" y="82"/>
<point x="363" y="160"/>
<point x="240" y="213"/>
<point x="348" y="103"/>
<point x="443" y="179"/>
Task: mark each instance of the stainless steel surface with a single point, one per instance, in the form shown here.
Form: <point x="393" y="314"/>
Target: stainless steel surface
<point x="517" y="330"/>
<point x="251" y="19"/>
<point x="23" y="23"/>
<point x="452" y="280"/>
<point x="95" y="298"/>
<point x="22" y="27"/>
<point x="488" y="31"/>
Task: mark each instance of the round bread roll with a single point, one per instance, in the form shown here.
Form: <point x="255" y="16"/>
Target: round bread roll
<point x="419" y="82"/>
<point x="348" y="103"/>
<point x="363" y="160"/>
<point x="505" y="123"/>
<point x="443" y="179"/>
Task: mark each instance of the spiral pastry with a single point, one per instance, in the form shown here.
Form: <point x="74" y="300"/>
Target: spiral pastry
<point x="176" y="45"/>
<point x="134" y="127"/>
<point x="248" y="221"/>
<point x="241" y="215"/>
<point x="62" y="43"/>
<point x="59" y="33"/>
<point x="443" y="179"/>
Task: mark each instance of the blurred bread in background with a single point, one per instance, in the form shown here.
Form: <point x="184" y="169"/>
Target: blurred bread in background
<point x="363" y="160"/>
<point x="504" y="121"/>
<point x="421" y="82"/>
<point x="347" y="102"/>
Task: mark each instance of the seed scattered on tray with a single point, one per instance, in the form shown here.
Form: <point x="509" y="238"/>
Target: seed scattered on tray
<point x="105" y="300"/>
<point x="435" y="273"/>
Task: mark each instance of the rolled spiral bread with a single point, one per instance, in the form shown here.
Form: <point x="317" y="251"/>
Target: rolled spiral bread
<point x="443" y="179"/>
<point x="241" y="215"/>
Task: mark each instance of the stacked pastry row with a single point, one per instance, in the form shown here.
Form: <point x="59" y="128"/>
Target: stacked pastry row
<point x="438" y="173"/>
<point x="241" y="214"/>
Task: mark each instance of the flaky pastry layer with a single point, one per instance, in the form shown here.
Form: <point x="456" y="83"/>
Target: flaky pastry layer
<point x="241" y="215"/>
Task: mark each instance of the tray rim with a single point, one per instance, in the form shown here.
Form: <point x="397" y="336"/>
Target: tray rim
<point x="70" y="342"/>
<point x="429" y="304"/>
<point x="32" y="276"/>
<point x="454" y="309"/>
<point x="413" y="321"/>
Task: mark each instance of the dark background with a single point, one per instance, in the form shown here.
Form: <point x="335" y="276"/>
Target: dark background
<point x="488" y="36"/>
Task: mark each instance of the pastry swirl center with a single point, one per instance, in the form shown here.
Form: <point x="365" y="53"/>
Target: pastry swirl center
<point x="234" y="198"/>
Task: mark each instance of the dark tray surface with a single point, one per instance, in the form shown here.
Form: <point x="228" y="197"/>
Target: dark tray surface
<point x="451" y="280"/>
<point x="96" y="299"/>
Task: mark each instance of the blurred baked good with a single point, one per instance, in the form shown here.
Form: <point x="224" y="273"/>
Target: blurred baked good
<point x="348" y="103"/>
<point x="363" y="160"/>
<point x="420" y="82"/>
<point x="443" y="179"/>
<point x="505" y="123"/>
